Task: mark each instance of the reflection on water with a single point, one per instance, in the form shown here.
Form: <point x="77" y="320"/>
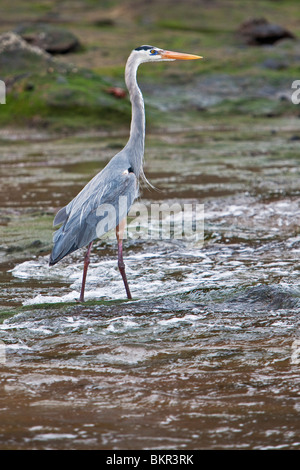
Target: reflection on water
<point x="207" y="353"/>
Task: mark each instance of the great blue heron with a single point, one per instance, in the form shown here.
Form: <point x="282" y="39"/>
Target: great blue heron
<point x="116" y="186"/>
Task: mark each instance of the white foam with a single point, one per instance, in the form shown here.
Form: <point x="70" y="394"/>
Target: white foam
<point x="45" y="299"/>
<point x="40" y="269"/>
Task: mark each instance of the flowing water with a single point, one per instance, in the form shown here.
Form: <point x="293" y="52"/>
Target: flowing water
<point x="207" y="354"/>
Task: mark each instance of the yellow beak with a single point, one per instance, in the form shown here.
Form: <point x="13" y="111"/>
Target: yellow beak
<point x="179" y="55"/>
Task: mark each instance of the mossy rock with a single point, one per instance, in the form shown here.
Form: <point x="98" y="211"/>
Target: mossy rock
<point x="45" y="92"/>
<point x="50" y="38"/>
<point x="18" y="57"/>
<point x="258" y="31"/>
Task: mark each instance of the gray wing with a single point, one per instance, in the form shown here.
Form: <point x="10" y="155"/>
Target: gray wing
<point x="98" y="208"/>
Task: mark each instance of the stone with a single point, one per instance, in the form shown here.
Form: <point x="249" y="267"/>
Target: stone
<point x="19" y="57"/>
<point x="51" y="38"/>
<point x="258" y="31"/>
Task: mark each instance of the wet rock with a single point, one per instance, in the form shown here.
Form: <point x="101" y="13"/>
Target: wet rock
<point x="52" y="39"/>
<point x="258" y="31"/>
<point x="264" y="297"/>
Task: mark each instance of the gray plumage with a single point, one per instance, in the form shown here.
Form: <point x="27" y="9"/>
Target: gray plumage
<point x="81" y="222"/>
<point x="114" y="189"/>
<point x="119" y="178"/>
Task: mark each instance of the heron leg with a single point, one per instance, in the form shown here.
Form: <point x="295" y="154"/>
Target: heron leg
<point x="121" y="265"/>
<point x="85" y="268"/>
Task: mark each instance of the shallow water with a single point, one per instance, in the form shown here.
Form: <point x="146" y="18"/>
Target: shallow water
<point x="207" y="353"/>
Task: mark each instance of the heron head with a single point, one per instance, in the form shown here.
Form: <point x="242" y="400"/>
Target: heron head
<point x="155" y="54"/>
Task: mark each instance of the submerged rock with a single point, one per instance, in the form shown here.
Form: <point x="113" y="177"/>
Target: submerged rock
<point x="52" y="39"/>
<point x="264" y="296"/>
<point x="258" y="31"/>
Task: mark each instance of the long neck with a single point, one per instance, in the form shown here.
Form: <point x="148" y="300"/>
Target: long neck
<point x="136" y="142"/>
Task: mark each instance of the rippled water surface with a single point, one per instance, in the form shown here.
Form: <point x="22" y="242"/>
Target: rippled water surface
<point x="207" y="354"/>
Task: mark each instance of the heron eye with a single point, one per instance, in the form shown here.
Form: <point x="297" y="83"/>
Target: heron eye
<point x="153" y="52"/>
